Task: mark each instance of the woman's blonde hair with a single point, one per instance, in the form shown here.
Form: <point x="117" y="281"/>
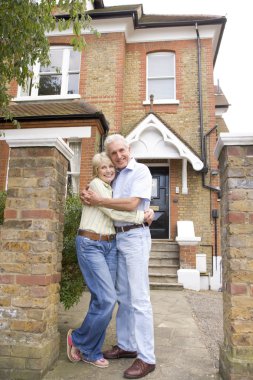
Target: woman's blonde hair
<point x="98" y="160"/>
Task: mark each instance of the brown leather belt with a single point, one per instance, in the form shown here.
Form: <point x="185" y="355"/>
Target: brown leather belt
<point x="94" y="236"/>
<point x="128" y="228"/>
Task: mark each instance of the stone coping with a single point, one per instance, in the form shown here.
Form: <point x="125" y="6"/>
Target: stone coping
<point x="56" y="142"/>
<point x="226" y="139"/>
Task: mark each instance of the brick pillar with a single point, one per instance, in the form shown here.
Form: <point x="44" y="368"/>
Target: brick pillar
<point x="187" y="256"/>
<point x="236" y="168"/>
<point x="30" y="257"/>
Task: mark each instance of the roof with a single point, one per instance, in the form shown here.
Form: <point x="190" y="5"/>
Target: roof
<point x="57" y="110"/>
<point x="220" y="98"/>
<point x="154" y="20"/>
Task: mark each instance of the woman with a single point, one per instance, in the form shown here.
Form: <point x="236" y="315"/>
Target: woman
<point x="97" y="258"/>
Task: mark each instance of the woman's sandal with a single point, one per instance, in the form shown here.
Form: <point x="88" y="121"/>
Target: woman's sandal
<point x="100" y="363"/>
<point x="72" y="352"/>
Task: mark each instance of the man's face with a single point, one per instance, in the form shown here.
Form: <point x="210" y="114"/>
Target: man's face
<point x="119" y="154"/>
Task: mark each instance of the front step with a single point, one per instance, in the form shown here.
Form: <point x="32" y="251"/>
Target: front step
<point x="163" y="269"/>
<point x="163" y="265"/>
<point x="163" y="278"/>
<point x="171" y="286"/>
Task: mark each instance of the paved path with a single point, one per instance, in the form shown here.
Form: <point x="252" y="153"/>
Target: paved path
<point x="180" y="350"/>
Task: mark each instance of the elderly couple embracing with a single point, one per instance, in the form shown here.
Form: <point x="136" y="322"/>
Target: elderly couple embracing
<point x="113" y="246"/>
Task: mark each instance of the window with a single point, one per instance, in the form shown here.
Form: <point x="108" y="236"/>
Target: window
<point x="74" y="172"/>
<point x="59" y="78"/>
<point x="161" y="76"/>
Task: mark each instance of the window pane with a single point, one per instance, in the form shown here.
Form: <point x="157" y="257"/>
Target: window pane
<point x="73" y="84"/>
<point x="161" y="88"/>
<point x="160" y="65"/>
<point x="50" y="85"/>
<point x="56" y="62"/>
<point x="74" y="60"/>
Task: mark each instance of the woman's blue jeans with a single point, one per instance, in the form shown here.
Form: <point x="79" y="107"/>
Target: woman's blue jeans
<point x="98" y="264"/>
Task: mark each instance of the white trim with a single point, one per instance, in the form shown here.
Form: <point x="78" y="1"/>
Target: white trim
<point x="226" y="139"/>
<point x="220" y="111"/>
<point x="151" y="139"/>
<point x="184" y="177"/>
<point x="58" y="143"/>
<point x="46" y="97"/>
<point x="161" y="101"/>
<point x="43" y="133"/>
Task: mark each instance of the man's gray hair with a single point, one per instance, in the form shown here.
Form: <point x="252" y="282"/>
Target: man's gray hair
<point x="112" y="138"/>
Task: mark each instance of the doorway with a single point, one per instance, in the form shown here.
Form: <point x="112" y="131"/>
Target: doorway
<point x="160" y="202"/>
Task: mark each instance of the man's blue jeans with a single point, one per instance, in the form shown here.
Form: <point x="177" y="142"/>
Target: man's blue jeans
<point x="135" y="331"/>
<point x="98" y="263"/>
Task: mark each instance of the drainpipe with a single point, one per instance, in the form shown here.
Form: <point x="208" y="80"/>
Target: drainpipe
<point x="201" y="128"/>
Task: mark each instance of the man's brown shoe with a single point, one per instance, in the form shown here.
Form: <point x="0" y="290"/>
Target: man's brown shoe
<point x="138" y="369"/>
<point x="117" y="353"/>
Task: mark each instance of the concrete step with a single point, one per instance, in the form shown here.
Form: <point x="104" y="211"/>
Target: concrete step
<point x="164" y="255"/>
<point x="163" y="265"/>
<point x="164" y="246"/>
<point x="162" y="278"/>
<point x="168" y="286"/>
<point x="163" y="261"/>
<point x="164" y="269"/>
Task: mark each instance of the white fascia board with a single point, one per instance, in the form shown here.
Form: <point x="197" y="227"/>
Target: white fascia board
<point x="35" y="133"/>
<point x="125" y="25"/>
<point x="101" y="26"/>
<point x="220" y="111"/>
<point x="226" y="139"/>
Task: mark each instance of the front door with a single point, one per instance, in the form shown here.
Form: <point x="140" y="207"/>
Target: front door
<point x="160" y="203"/>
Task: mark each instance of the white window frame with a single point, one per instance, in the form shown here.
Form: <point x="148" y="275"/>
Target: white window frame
<point x="64" y="85"/>
<point x="161" y="101"/>
<point x="75" y="174"/>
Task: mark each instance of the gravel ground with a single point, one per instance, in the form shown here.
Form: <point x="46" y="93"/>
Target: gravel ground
<point x="207" y="309"/>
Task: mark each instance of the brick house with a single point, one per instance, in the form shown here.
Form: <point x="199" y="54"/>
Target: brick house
<point x="150" y="78"/>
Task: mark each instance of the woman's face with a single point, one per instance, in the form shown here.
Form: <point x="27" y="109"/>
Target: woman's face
<point x="106" y="172"/>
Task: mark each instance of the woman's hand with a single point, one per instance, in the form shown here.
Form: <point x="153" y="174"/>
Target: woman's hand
<point x="89" y="197"/>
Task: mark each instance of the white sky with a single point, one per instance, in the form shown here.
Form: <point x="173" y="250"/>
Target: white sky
<point x="234" y="65"/>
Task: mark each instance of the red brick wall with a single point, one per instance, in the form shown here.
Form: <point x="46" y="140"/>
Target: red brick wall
<point x="4" y="155"/>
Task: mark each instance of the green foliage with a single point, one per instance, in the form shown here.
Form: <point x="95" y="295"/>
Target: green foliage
<point x="23" y="41"/>
<point x="72" y="283"/>
<point x="2" y="205"/>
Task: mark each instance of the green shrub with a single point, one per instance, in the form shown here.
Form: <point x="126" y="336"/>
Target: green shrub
<point x="72" y="283"/>
<point x="2" y="205"/>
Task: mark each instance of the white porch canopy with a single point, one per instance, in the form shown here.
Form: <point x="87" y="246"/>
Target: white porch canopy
<point x="151" y="139"/>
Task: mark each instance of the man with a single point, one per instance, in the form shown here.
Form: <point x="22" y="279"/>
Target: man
<point x="134" y="320"/>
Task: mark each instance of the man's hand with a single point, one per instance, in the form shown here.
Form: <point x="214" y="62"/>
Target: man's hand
<point x="149" y="216"/>
<point x="89" y="197"/>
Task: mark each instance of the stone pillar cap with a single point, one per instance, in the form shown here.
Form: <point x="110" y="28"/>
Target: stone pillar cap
<point x="226" y="139"/>
<point x="56" y="142"/>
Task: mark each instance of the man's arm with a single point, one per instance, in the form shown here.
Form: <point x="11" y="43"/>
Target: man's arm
<point x="89" y="197"/>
